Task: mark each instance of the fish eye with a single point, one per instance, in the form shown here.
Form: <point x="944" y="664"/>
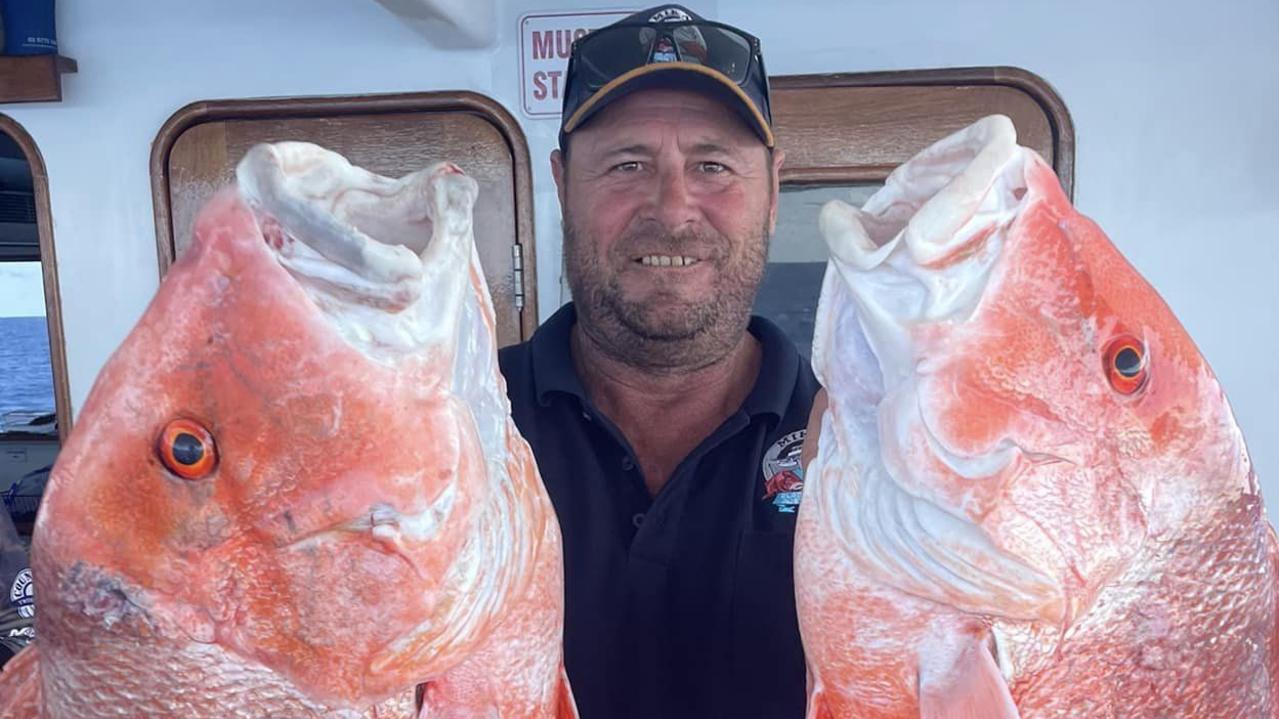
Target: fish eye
<point x="187" y="449"/>
<point x="1125" y="364"/>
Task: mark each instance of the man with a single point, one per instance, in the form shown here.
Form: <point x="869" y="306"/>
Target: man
<point x="666" y="422"/>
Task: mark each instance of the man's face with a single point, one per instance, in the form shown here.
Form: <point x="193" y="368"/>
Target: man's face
<point x="668" y="201"/>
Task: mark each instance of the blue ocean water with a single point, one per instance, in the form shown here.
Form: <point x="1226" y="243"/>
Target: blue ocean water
<point x="26" y="380"/>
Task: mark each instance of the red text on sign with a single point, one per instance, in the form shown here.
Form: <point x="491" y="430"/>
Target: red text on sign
<point x="539" y="83"/>
<point x="549" y="44"/>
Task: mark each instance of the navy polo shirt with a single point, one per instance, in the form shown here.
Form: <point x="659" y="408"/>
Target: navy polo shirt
<point x="680" y="605"/>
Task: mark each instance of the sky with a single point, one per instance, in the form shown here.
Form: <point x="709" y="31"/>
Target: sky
<point x="21" y="290"/>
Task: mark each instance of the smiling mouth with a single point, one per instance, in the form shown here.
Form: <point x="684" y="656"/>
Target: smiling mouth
<point x="667" y="261"/>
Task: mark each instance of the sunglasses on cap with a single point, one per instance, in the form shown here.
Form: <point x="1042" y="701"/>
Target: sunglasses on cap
<point x="604" y="64"/>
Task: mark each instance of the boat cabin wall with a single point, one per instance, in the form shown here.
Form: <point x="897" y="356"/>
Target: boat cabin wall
<point x="1175" y="105"/>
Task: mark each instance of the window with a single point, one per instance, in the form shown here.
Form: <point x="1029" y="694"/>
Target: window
<point x="34" y="400"/>
<point x="843" y="134"/>
<point x="393" y="135"/>
<point x="797" y="258"/>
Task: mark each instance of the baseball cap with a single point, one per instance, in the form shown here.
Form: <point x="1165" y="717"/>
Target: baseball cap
<point x="665" y="46"/>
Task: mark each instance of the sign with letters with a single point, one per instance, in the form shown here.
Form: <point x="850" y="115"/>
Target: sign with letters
<point x="546" y="39"/>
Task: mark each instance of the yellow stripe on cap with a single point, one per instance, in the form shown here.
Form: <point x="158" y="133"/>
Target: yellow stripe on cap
<point x="622" y="79"/>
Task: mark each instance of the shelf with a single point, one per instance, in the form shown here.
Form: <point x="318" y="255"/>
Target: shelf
<point x="33" y="78"/>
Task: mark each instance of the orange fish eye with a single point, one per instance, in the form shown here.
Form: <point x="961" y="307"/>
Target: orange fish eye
<point x="187" y="449"/>
<point x="1125" y="364"/>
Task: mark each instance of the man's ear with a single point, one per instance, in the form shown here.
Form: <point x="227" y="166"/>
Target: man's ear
<point x="779" y="156"/>
<point x="558" y="172"/>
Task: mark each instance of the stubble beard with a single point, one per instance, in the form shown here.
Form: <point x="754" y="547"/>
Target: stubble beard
<point x="665" y="334"/>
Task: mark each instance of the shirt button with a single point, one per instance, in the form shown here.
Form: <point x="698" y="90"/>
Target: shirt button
<point x="627" y="464"/>
<point x="638" y="519"/>
<point x="586" y="416"/>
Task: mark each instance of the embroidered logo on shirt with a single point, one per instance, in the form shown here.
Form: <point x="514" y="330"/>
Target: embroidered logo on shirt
<point x="783" y="475"/>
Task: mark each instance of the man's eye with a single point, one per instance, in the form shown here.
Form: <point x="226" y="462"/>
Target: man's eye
<point x="712" y="168"/>
<point x="631" y="166"/>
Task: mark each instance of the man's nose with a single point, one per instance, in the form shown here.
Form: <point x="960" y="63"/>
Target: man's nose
<point x="675" y="205"/>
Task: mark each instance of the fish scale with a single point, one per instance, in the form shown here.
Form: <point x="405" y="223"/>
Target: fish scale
<point x="1218" y="562"/>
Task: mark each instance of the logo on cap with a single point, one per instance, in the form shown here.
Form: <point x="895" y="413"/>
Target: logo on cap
<point x="670" y="14"/>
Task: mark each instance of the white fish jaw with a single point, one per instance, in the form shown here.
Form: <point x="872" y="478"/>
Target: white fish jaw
<point x="919" y="253"/>
<point x="386" y="259"/>
<point x="921" y="249"/>
<point x="392" y="264"/>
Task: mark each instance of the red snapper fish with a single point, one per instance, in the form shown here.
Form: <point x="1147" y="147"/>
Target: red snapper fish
<point x="1030" y="497"/>
<point x="296" y="490"/>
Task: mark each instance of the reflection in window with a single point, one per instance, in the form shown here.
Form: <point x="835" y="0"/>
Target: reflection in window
<point x="797" y="258"/>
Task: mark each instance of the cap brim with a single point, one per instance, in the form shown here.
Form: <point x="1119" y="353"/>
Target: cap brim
<point x="643" y="77"/>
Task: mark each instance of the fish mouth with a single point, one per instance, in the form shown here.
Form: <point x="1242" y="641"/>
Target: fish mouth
<point x="921" y="250"/>
<point x="916" y="259"/>
<point x="386" y="259"/>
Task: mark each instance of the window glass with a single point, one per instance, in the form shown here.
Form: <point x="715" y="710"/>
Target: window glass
<point x="797" y="258"/>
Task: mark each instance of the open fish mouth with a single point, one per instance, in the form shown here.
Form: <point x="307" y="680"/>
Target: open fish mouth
<point x="914" y="260"/>
<point x="920" y="254"/>
<point x="386" y="259"/>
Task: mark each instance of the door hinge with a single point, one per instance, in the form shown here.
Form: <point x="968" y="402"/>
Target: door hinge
<point x="517" y="272"/>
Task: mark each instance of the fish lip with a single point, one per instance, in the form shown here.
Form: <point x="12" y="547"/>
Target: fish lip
<point x="387" y="261"/>
<point x="332" y="223"/>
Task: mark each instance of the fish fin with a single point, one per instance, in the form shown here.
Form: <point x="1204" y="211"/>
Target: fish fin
<point x="817" y="708"/>
<point x="1273" y="551"/>
<point x="967" y="687"/>
<point x="567" y="704"/>
<point x="20" y="685"/>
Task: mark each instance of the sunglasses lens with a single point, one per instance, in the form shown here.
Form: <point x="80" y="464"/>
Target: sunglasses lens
<point x="728" y="52"/>
<point x="611" y="52"/>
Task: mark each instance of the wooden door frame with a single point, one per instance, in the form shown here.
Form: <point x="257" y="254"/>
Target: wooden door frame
<point x="1035" y="87"/>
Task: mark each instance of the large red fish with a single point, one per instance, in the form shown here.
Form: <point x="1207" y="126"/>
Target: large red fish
<point x="295" y="490"/>
<point x="1030" y="496"/>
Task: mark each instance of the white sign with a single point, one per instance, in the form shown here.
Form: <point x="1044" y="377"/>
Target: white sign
<point x="546" y="39"/>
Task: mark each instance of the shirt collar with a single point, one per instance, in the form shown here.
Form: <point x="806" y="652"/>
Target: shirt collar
<point x="553" y="369"/>
<point x="778" y="370"/>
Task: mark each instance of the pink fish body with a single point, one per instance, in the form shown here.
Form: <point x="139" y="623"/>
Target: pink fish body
<point x="1030" y="496"/>
<point x="295" y="490"/>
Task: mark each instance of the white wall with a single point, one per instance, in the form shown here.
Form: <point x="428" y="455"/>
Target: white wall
<point x="1175" y="105"/>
